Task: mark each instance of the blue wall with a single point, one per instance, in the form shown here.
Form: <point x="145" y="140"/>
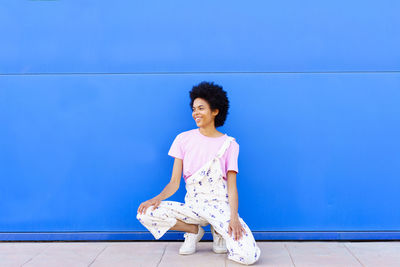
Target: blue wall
<point x="92" y="94"/>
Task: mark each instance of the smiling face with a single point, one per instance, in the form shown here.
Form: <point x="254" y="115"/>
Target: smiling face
<point x="202" y="113"/>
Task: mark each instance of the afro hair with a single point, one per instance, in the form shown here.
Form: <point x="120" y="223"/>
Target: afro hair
<point x="215" y="97"/>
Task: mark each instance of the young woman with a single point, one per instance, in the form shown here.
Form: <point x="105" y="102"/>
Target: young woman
<point x="208" y="160"/>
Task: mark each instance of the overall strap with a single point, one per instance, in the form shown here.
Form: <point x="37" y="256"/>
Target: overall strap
<point x="224" y="146"/>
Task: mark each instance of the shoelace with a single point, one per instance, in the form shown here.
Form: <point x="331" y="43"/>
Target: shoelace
<point x="188" y="236"/>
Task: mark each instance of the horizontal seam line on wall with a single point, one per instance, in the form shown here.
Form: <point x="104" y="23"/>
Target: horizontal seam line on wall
<point x="198" y="72"/>
<point x="256" y="231"/>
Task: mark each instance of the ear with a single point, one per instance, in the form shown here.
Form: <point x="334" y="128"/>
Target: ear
<point x="215" y="112"/>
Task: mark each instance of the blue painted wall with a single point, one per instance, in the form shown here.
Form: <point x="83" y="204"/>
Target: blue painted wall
<point x="93" y="93"/>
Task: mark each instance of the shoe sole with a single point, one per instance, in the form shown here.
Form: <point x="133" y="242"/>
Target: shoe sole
<point x="220" y="251"/>
<point x="186" y="253"/>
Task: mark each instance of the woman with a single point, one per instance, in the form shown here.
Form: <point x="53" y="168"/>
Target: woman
<point x="208" y="160"/>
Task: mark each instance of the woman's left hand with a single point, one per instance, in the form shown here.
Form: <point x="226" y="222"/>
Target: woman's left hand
<point x="236" y="228"/>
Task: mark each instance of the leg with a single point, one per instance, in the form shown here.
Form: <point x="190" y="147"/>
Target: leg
<point x="185" y="227"/>
<point x="167" y="215"/>
<point x="245" y="250"/>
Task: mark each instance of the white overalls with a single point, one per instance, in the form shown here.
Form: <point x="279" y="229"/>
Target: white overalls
<point x="206" y="202"/>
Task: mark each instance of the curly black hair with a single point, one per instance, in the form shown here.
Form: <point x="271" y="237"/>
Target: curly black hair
<point x="215" y="97"/>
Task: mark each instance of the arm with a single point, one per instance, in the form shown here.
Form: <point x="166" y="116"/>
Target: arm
<point x="235" y="226"/>
<point x="233" y="194"/>
<point x="168" y="190"/>
<point x="174" y="183"/>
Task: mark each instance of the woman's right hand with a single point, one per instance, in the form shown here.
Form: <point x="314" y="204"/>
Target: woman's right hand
<point x="145" y="205"/>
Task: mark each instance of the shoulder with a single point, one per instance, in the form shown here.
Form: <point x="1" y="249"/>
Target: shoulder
<point x="185" y="135"/>
<point x="234" y="145"/>
<point x="234" y="140"/>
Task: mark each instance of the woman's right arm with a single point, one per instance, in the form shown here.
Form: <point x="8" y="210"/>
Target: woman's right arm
<point x="169" y="189"/>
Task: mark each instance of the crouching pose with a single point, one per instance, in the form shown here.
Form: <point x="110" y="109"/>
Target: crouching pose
<point x="208" y="160"/>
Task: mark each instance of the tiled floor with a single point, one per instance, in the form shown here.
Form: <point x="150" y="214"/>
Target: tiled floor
<point x="114" y="254"/>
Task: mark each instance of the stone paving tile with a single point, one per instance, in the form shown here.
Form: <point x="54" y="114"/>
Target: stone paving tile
<point x="16" y="254"/>
<point x="374" y="254"/>
<point x="152" y="254"/>
<point x="67" y="254"/>
<point x="204" y="256"/>
<point x="272" y="254"/>
<point x="137" y="254"/>
<point x="320" y="254"/>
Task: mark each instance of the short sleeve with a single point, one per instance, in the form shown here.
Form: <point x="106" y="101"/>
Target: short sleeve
<point x="231" y="163"/>
<point x="176" y="150"/>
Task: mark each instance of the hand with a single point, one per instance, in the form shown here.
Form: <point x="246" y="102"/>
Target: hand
<point x="236" y="228"/>
<point x="151" y="202"/>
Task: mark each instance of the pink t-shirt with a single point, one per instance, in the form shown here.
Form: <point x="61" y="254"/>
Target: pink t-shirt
<point x="196" y="149"/>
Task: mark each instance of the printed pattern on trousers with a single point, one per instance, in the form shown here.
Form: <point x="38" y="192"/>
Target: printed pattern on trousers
<point x="206" y="202"/>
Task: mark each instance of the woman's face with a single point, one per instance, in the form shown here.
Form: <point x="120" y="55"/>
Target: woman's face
<point x="202" y="113"/>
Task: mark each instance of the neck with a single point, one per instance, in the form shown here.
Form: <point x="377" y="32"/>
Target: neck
<point x="210" y="131"/>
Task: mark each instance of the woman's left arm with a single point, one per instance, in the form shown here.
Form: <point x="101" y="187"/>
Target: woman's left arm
<point x="235" y="226"/>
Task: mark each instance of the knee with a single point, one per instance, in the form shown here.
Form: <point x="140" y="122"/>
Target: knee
<point x="253" y="255"/>
<point x="250" y="258"/>
<point x="142" y="216"/>
<point x="247" y="257"/>
<point x="150" y="213"/>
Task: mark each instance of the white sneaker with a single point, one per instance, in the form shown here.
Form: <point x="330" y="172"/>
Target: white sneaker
<point x="189" y="245"/>
<point x="219" y="244"/>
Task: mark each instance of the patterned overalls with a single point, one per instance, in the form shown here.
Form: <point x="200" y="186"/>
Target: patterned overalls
<point x="206" y="202"/>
